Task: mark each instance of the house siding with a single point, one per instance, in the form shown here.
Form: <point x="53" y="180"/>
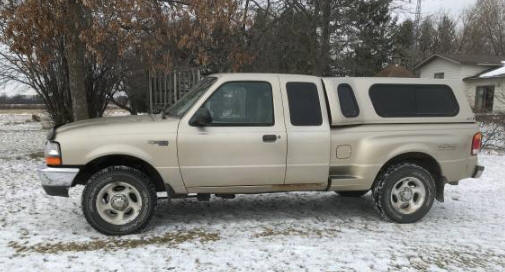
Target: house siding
<point x="472" y="70"/>
<point x="456" y="71"/>
<point x="499" y="92"/>
<point x="451" y="70"/>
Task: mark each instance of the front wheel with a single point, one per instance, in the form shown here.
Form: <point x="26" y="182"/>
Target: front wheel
<point x="404" y="193"/>
<point x="119" y="200"/>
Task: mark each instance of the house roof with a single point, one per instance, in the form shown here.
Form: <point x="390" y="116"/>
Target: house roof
<point x="490" y="73"/>
<point x="395" y="70"/>
<point x="480" y="60"/>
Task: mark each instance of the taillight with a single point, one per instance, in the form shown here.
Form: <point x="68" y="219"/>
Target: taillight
<point x="476" y="143"/>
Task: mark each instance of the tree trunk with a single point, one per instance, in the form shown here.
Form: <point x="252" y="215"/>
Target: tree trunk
<point x="325" y="39"/>
<point x="75" y="53"/>
<point x="322" y="22"/>
<point x="315" y="24"/>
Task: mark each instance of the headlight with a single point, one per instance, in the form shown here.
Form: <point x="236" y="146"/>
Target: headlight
<point x="52" y="154"/>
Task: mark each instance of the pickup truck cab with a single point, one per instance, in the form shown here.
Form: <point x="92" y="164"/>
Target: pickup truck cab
<point x="401" y="139"/>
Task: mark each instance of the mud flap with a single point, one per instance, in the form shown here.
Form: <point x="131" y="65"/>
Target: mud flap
<point x="440" y="186"/>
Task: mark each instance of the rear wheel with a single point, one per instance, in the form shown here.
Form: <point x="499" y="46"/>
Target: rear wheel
<point x="404" y="193"/>
<point x="353" y="193"/>
<point x="119" y="200"/>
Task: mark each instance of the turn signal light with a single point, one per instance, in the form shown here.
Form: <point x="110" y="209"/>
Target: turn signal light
<point x="52" y="154"/>
<point x="53" y="161"/>
<point x="476" y="143"/>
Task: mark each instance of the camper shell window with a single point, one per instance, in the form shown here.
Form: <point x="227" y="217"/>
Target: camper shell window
<point x="348" y="104"/>
<point x="413" y="100"/>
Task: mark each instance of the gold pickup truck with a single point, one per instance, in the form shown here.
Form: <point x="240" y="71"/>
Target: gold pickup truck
<point x="401" y="139"/>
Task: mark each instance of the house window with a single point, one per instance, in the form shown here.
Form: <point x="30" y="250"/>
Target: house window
<point x="439" y="75"/>
<point x="484" y="99"/>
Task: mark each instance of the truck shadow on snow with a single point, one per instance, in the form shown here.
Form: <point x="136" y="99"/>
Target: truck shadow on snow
<point x="262" y="215"/>
<point x="320" y="206"/>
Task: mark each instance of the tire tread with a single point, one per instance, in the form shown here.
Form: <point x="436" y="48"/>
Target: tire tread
<point x="379" y="186"/>
<point x="104" y="173"/>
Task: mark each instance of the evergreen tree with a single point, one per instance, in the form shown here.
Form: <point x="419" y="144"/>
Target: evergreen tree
<point x="372" y="45"/>
<point x="445" y="40"/>
<point x="404" y="43"/>
<point x="425" y="39"/>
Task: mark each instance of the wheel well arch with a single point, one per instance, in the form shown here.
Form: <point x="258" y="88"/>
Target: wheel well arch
<point x="103" y="162"/>
<point x="422" y="159"/>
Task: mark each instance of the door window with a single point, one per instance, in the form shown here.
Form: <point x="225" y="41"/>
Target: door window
<point x="241" y="104"/>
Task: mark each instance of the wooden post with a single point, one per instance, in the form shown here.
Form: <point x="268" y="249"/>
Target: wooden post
<point x="175" y="86"/>
<point x="169" y="87"/>
<point x="160" y="90"/>
<point x="165" y="91"/>
<point x="150" y="92"/>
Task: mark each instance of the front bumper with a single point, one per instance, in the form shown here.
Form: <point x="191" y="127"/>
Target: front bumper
<point x="477" y="172"/>
<point x="57" y="181"/>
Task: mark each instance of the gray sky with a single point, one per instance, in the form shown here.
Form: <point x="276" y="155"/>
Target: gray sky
<point x="430" y="7"/>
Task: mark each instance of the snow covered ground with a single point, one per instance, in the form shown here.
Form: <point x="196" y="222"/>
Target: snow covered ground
<point x="269" y="232"/>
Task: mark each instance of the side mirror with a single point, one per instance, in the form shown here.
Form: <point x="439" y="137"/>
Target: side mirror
<point x="201" y="118"/>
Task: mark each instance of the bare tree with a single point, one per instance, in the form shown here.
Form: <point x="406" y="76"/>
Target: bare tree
<point x="483" y="30"/>
<point x="493" y="131"/>
<point x="49" y="80"/>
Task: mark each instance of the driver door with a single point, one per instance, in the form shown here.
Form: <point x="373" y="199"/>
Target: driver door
<point x="244" y="144"/>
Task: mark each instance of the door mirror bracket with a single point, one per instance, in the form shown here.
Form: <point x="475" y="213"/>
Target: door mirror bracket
<point x="201" y="118"/>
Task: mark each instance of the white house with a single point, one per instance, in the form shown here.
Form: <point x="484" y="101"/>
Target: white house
<point x="483" y="77"/>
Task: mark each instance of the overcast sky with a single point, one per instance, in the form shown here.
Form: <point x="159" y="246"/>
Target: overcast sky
<point x="430" y="7"/>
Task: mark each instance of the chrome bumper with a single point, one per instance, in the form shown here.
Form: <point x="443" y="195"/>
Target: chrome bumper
<point x="478" y="171"/>
<point x="57" y="181"/>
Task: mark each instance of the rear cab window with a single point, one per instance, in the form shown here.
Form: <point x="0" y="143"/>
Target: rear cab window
<point x="413" y="100"/>
<point x="304" y="106"/>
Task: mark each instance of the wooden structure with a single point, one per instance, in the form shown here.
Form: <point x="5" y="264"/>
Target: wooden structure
<point x="166" y="88"/>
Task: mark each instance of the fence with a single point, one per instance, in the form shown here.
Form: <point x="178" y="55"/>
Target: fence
<point x="166" y="88"/>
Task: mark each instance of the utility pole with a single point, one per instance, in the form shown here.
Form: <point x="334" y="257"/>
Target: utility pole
<point x="418" y="18"/>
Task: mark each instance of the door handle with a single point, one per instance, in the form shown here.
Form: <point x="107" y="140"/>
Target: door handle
<point x="269" y="138"/>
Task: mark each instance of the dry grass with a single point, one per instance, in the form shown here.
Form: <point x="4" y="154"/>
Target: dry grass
<point x="36" y="155"/>
<point x="268" y="232"/>
<point x="114" y="244"/>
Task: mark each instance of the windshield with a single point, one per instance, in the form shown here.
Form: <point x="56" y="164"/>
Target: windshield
<point x="186" y="102"/>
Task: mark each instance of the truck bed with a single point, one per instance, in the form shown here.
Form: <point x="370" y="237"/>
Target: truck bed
<point x="359" y="152"/>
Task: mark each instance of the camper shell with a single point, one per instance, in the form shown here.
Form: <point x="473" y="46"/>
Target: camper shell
<point x="443" y="91"/>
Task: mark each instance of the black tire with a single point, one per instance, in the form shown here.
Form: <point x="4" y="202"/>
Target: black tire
<point x="353" y="193"/>
<point x="383" y="190"/>
<point x="130" y="176"/>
